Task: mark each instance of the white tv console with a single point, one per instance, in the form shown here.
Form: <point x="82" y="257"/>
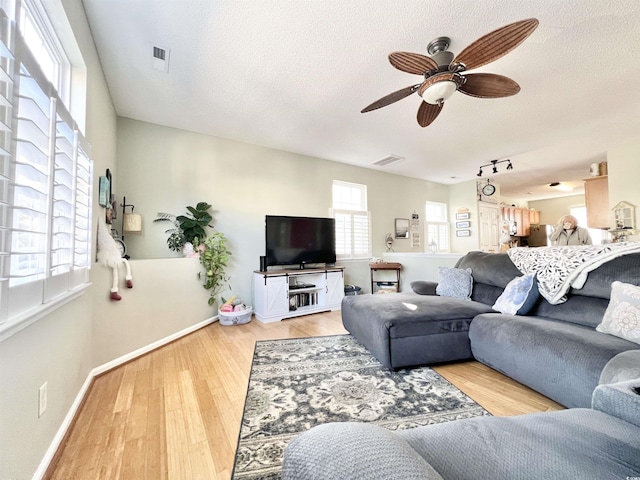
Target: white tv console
<point x="280" y="294"/>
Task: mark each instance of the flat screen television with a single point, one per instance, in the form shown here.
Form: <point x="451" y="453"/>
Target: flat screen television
<point x="299" y="240"/>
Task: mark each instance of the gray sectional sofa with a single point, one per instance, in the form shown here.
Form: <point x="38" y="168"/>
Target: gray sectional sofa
<point x="554" y="349"/>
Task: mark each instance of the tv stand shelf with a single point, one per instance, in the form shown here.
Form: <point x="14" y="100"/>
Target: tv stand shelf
<point x="280" y="294"/>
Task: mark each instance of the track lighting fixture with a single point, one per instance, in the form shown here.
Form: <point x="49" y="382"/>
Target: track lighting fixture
<point x="494" y="166"/>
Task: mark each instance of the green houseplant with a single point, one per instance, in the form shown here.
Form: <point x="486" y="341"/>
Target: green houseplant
<point x="214" y="256"/>
<point x="187" y="228"/>
<point x="211" y="249"/>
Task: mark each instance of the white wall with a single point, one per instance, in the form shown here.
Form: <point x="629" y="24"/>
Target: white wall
<point x="464" y="196"/>
<point x="553" y="208"/>
<point x="166" y="298"/>
<point x="162" y="169"/>
<point x="624" y="172"/>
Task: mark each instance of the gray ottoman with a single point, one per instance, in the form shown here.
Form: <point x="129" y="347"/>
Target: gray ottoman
<point x="407" y="329"/>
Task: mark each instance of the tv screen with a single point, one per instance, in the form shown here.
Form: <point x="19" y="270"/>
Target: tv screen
<point x="299" y="240"/>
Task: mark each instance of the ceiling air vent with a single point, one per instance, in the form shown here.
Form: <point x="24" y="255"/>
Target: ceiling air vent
<point x="160" y="58"/>
<point x="388" y="160"/>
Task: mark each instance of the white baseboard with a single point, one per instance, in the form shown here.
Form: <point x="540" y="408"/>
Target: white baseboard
<point x="152" y="346"/>
<point x="71" y="414"/>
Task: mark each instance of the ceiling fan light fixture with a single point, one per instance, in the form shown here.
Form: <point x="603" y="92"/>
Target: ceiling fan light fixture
<point x="439" y="92"/>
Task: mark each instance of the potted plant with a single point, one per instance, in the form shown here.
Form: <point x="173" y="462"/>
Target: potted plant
<point x="188" y="235"/>
<point x="214" y="256"/>
<point x="187" y="229"/>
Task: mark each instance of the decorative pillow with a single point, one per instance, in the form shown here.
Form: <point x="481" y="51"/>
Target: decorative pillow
<point x="519" y="296"/>
<point x="622" y="317"/>
<point x="454" y="282"/>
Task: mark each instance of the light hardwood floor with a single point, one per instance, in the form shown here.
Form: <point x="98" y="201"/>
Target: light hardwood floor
<point x="175" y="413"/>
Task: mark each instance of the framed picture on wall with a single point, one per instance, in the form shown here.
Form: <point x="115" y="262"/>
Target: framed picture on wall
<point x="402" y="228"/>
<point x="463" y="224"/>
<point x="104" y="191"/>
<point x="463" y="216"/>
<point x="463" y="233"/>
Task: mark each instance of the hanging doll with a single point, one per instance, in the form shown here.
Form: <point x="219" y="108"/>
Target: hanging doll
<point x="110" y="255"/>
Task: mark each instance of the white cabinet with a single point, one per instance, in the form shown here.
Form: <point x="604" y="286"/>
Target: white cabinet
<point x="281" y="294"/>
<point x="335" y="289"/>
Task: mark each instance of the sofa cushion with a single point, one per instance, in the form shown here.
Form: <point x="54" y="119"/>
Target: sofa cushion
<point x="558" y="359"/>
<point x="353" y="451"/>
<point x="519" y="296"/>
<point x="405" y="329"/>
<point x="575" y="443"/>
<point x="454" y="282"/>
<point x="495" y="269"/>
<point x="622" y="317"/>
<point x="624" y="269"/>
<point x="587" y="311"/>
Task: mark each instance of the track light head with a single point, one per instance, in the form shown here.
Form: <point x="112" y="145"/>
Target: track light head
<point x="494" y="166"/>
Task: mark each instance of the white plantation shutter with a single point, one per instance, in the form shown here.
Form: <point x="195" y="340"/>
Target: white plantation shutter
<point x="82" y="217"/>
<point x="6" y="167"/>
<point x="45" y="188"/>
<point x="438" y="232"/>
<point x="436" y="226"/>
<point x="353" y="236"/>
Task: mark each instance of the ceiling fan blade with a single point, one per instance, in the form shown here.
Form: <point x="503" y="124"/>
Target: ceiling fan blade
<point x="488" y="85"/>
<point x="427" y="113"/>
<point x="412" y="62"/>
<point x="495" y="44"/>
<point x="391" y="98"/>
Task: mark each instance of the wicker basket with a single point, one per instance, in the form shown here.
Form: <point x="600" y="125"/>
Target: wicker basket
<point x="235" y="318"/>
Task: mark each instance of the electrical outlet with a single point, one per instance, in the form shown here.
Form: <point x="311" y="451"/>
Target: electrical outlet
<point x="42" y="399"/>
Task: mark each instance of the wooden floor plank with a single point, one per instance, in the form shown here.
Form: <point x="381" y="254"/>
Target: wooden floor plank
<point x="175" y="413"/>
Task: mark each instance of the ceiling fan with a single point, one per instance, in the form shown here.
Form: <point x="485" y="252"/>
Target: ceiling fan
<point x="444" y="74"/>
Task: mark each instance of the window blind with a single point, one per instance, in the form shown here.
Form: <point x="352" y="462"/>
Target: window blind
<point x="45" y="187"/>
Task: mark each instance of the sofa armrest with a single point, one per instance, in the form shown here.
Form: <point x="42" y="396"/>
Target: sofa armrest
<point x="353" y="451"/>
<point x="621" y="400"/>
<point x="424" y="287"/>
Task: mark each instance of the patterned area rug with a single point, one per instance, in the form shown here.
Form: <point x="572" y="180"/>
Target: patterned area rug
<point x="296" y="384"/>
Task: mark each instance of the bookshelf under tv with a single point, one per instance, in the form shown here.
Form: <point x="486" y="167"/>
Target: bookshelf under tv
<point x="281" y="294"/>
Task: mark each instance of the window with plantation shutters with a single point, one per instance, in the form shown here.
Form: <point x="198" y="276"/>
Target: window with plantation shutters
<point x="353" y="237"/>
<point x="436" y="226"/>
<point x="45" y="189"/>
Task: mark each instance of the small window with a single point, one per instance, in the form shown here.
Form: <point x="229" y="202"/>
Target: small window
<point x="581" y="215"/>
<point x="436" y="226"/>
<point x="353" y="237"/>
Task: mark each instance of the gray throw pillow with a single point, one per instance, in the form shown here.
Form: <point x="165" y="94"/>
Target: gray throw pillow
<point x="454" y="282"/>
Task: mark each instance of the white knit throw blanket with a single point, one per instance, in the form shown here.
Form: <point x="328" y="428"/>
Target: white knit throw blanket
<point x="558" y="269"/>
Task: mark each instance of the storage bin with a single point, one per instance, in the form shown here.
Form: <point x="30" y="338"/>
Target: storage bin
<point x="235" y="318"/>
<point x="352" y="290"/>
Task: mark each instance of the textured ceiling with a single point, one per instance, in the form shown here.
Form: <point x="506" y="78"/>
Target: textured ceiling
<point x="294" y="75"/>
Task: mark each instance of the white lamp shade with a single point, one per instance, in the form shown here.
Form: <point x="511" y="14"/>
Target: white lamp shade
<point x="439" y="92"/>
<point x="132" y="223"/>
